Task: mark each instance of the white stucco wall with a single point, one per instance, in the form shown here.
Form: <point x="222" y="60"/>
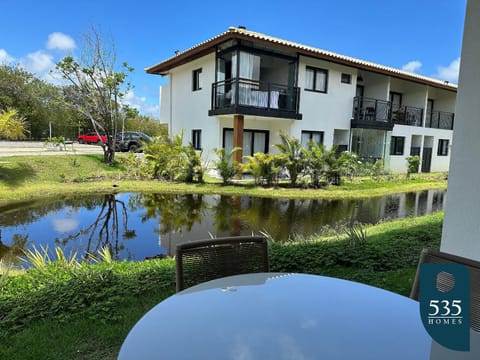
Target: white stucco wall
<point x="165" y="105"/>
<point x="443" y="100"/>
<point x="376" y="86"/>
<point x="190" y="108"/>
<point x="325" y="111"/>
<point x="461" y="227"/>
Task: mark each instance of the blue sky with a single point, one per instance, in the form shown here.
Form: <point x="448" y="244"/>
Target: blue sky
<point x="423" y="36"/>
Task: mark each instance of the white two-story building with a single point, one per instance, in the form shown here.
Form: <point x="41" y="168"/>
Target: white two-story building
<point x="242" y="88"/>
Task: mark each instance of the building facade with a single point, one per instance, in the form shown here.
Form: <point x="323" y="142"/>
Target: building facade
<point x="242" y="88"/>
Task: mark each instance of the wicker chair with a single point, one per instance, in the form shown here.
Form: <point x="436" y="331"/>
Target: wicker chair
<point x="436" y="257"/>
<point x="204" y="260"/>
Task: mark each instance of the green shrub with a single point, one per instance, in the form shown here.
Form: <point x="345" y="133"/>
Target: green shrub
<point x="263" y="167"/>
<point x="193" y="170"/>
<point x="291" y="156"/>
<point x="413" y="163"/>
<point x="225" y="164"/>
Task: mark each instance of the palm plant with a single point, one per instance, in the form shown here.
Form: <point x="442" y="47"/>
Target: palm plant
<point x="333" y="167"/>
<point x="291" y="156"/>
<point x="225" y="164"/>
<point x="193" y="165"/>
<point x="12" y="125"/>
<point x="166" y="157"/>
<point x="262" y="167"/>
<point x="315" y="161"/>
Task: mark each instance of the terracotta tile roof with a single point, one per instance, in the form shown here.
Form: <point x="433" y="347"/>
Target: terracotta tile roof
<point x="209" y="45"/>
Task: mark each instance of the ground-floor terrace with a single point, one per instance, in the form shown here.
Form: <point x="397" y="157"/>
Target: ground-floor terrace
<point x="259" y="134"/>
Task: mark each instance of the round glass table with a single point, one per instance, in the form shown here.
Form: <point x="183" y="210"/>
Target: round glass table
<point x="280" y="316"/>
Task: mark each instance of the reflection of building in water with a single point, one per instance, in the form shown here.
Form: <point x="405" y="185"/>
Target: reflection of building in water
<point x="282" y="218"/>
<point x="400" y="206"/>
<point x="198" y="231"/>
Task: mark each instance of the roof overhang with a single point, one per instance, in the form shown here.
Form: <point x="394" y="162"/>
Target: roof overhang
<point x="210" y="45"/>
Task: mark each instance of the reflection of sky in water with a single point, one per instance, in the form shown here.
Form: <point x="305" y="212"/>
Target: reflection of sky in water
<point x="58" y="225"/>
<point x="65" y="225"/>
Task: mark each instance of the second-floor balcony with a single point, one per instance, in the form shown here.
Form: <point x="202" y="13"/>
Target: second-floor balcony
<point x="408" y="115"/>
<point x="251" y="97"/>
<point x="439" y="120"/>
<point x="369" y="113"/>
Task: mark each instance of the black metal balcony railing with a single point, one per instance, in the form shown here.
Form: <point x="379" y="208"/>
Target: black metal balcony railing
<point x="439" y="120"/>
<point x="371" y="112"/>
<point x="255" y="94"/>
<point x="408" y="115"/>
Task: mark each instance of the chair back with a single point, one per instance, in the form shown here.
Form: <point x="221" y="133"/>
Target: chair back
<point x="446" y="281"/>
<point x="204" y="260"/>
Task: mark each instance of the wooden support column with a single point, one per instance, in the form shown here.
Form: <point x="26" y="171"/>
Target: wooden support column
<point x="238" y="122"/>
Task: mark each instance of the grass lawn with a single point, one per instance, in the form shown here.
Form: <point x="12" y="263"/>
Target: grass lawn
<point x="25" y="177"/>
<point x="85" y="312"/>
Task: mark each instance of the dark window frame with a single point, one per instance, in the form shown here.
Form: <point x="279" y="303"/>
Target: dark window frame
<point x="315" y="71"/>
<point x="197" y="139"/>
<point x="196" y="79"/>
<point x="252" y="145"/>
<point x="442" y="149"/>
<point x="313" y="132"/>
<point x="346" y="78"/>
<point x="397" y="145"/>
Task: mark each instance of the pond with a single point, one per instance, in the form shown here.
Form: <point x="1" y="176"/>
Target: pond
<point x="136" y="226"/>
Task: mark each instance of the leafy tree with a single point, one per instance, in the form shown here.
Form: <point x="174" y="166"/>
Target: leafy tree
<point x="12" y="126"/>
<point x="35" y="101"/>
<point x="96" y="88"/>
<point x="291" y="156"/>
<point x="146" y="124"/>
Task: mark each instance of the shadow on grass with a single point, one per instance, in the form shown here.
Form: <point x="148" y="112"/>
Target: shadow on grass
<point x="17" y="175"/>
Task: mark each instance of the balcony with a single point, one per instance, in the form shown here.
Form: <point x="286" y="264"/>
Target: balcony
<point x="371" y="113"/>
<point x="250" y="97"/>
<point x="408" y="115"/>
<point x="439" y="120"/>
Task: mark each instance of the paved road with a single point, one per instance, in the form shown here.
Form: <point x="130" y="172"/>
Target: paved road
<point x="10" y="148"/>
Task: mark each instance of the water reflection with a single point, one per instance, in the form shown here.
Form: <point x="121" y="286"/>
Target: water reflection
<point x="137" y="226"/>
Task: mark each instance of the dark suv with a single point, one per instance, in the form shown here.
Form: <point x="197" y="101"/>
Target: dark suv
<point x="131" y="141"/>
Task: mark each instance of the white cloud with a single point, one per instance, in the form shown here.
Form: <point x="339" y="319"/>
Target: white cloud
<point x="450" y="72"/>
<point x="412" y="66"/>
<point x="58" y="40"/>
<point x="5" y="58"/>
<point x="63" y="226"/>
<point x="140" y="103"/>
<point x="38" y="62"/>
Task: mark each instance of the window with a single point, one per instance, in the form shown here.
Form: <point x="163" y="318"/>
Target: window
<point x="316" y="136"/>
<point x="396" y="145"/>
<point x="197" y="139"/>
<point x="196" y="80"/>
<point x="253" y="141"/>
<point x="316" y="79"/>
<point x="442" y="147"/>
<point x="346" y="78"/>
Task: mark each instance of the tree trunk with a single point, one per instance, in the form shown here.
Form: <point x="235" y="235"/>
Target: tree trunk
<point x="108" y="155"/>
